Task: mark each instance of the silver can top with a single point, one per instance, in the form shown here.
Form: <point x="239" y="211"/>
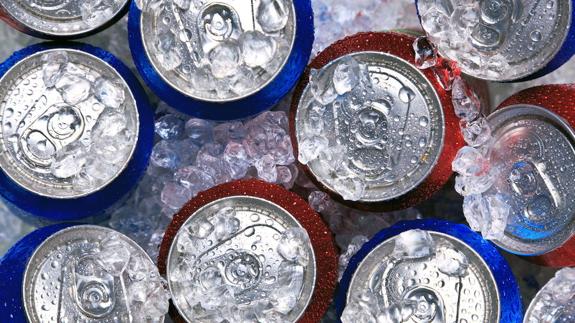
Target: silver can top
<point x="554" y="303"/>
<point x="218" y="51"/>
<point x="63" y="18"/>
<point x="239" y="258"/>
<point x="369" y="126"/>
<point x="69" y="123"/>
<point x="92" y="274"/>
<point x="533" y="152"/>
<point x="426" y="276"/>
<point x="497" y="39"/>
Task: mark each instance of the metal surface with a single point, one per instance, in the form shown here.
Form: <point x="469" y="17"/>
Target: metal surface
<point x="58" y="18"/>
<point x="527" y="33"/>
<point x="534" y="150"/>
<point x="471" y="298"/>
<point x="261" y="224"/>
<point x="393" y="138"/>
<point x="64" y="281"/>
<point x="29" y="112"/>
<point x="194" y="40"/>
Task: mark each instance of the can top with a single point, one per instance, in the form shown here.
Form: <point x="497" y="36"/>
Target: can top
<point x="240" y="257"/>
<point x="91" y="273"/>
<point x="59" y="18"/>
<point x="369" y="126"/>
<point x="69" y="123"/>
<point x="533" y="151"/>
<point x="218" y="50"/>
<point x="554" y="302"/>
<point x="498" y="40"/>
<point x="432" y="276"/>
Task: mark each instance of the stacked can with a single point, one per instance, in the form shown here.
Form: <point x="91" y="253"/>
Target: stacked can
<point x="370" y="127"/>
<point x="555" y="302"/>
<point x="248" y="250"/>
<point x="221" y="60"/>
<point x="82" y="273"/>
<point x="527" y="208"/>
<point x="77" y="131"/>
<point x="428" y="271"/>
<point x="502" y="40"/>
<point x="62" y="19"/>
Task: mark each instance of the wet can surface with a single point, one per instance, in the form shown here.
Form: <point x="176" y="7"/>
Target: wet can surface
<point x="534" y="149"/>
<point x="502" y="40"/>
<point x="554" y="302"/>
<point x="62" y="19"/>
<point x="67" y="273"/>
<point x="248" y="249"/>
<point x="221" y="60"/>
<point x="432" y="271"/>
<point x="77" y="131"/>
<point x="370" y="127"/>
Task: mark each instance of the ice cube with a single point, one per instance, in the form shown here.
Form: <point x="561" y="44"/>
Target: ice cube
<point x="413" y="244"/>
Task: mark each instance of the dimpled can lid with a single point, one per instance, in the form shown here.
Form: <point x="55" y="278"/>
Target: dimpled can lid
<point x="241" y="257"/>
<point x="434" y="276"/>
<point x="218" y="51"/>
<point x="533" y="152"/>
<point x="69" y="123"/>
<point x="501" y="40"/>
<point x="62" y="18"/>
<point x="92" y="274"/>
<point x="369" y="126"/>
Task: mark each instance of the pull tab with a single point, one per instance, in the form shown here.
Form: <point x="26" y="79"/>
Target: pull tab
<point x="218" y="23"/>
<point x="429" y="306"/>
<point x="58" y="126"/>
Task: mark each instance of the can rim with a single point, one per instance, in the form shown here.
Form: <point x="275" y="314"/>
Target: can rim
<point x="132" y="99"/>
<point x="436" y="98"/>
<point x="173" y="246"/>
<point x="215" y="100"/>
<point x="29" y="276"/>
<point x="510" y="309"/>
<point x="26" y="28"/>
<point x="400" y="45"/>
<point x="320" y="236"/>
<point x="564" y="49"/>
<point x="264" y="99"/>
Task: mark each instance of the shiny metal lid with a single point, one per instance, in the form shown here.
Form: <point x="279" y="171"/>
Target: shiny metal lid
<point x="63" y="18"/>
<point x="218" y="51"/>
<point x="69" y="123"/>
<point x="241" y="257"/>
<point x="534" y="154"/>
<point x="498" y="39"/>
<point x="89" y="274"/>
<point x="554" y="303"/>
<point x="445" y="281"/>
<point x="384" y="135"/>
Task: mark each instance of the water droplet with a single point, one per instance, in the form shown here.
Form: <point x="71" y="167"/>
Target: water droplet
<point x="406" y="94"/>
<point x="535" y="35"/>
<point x="423" y="121"/>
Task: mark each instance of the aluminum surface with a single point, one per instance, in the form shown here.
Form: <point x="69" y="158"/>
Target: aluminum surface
<point x="59" y="18"/>
<point x="64" y="281"/>
<point x="471" y="298"/>
<point x="534" y="150"/>
<point x="32" y="130"/>
<point x="397" y="151"/>
<point x="261" y="224"/>
<point x="198" y="31"/>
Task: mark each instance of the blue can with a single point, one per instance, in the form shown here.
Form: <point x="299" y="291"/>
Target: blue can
<point x="222" y="60"/>
<point x="502" y="40"/>
<point x="76" y="131"/>
<point x="65" y="272"/>
<point x="432" y="271"/>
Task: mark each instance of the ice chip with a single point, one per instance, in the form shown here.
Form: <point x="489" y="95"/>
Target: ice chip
<point x="477" y="132"/>
<point x="225" y="59"/>
<point x="293" y="246"/>
<point x="164" y="155"/>
<point x="195" y="179"/>
<point x="73" y="88"/>
<point x="452" y="262"/>
<point x="346" y="75"/>
<point x="200" y="131"/>
<point x="323" y="90"/>
<point x="258" y="49"/>
<point x="169" y="127"/>
<point x="311" y="147"/>
<point x="425" y="53"/>
<point x="470" y="161"/>
<point x="465" y="101"/>
<point x="175" y="195"/>
<point x="487" y="214"/>
<point x="237" y="158"/>
<point x="201" y="229"/>
<point x="413" y="244"/>
<point x="350" y="188"/>
<point x="109" y="93"/>
<point x="225" y="223"/>
<point x="356" y="243"/>
<point x="96" y="12"/>
<point x="69" y="161"/>
<point x="273" y="15"/>
<point x="54" y="64"/>
<point x="114" y="254"/>
<point x="267" y="169"/>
